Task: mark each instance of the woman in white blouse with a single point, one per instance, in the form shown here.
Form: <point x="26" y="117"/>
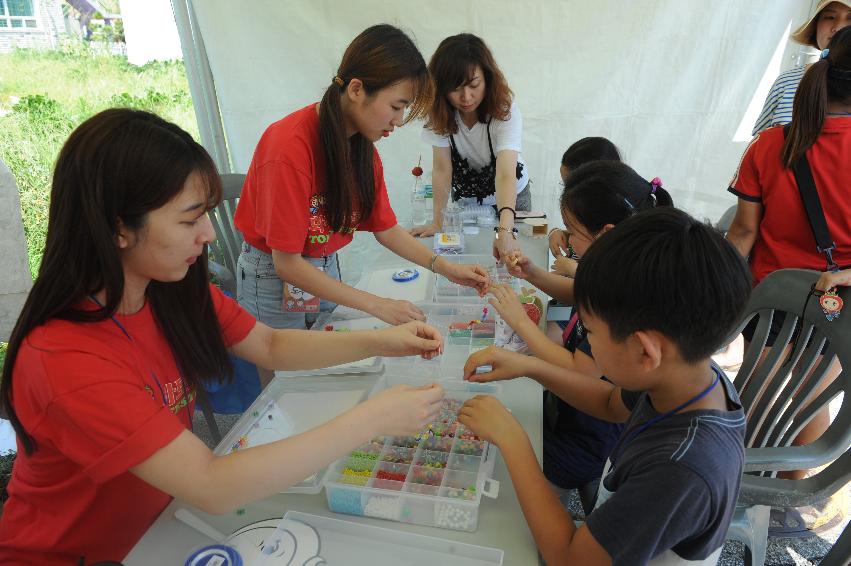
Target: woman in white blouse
<point x="475" y="130"/>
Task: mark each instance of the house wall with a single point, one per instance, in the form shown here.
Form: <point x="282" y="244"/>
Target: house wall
<point x="15" y="280"/>
<point x="51" y="25"/>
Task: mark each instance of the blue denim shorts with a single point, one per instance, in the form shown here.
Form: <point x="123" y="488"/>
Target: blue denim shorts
<point x="260" y="291"/>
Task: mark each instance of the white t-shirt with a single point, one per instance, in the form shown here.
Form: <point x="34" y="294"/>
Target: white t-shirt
<point x="472" y="143"/>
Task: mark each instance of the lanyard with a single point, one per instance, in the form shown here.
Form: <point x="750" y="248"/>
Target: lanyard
<point x="658" y="418"/>
<point x="565" y="334"/>
<point x="150" y="369"/>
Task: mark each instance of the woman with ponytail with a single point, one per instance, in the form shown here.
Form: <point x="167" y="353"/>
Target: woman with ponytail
<point x="771" y="227"/>
<point x="316" y="178"/>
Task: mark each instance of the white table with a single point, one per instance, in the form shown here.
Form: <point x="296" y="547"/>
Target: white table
<point x="501" y="523"/>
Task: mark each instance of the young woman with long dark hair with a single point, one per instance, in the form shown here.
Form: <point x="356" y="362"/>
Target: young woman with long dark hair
<point x="316" y="178"/>
<point x="118" y="332"/>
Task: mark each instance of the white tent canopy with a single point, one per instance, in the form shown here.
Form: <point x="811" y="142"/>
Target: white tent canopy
<point x="676" y="84"/>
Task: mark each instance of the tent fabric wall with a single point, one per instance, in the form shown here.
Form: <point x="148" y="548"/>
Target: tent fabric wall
<point x="669" y="81"/>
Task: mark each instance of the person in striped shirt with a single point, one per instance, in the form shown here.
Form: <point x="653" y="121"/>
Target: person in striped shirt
<point x="830" y="16"/>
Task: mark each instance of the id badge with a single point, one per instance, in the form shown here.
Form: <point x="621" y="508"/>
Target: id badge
<point x="298" y="300"/>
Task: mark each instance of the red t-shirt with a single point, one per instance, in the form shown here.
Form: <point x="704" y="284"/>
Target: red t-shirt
<point x="91" y="401"/>
<point x="785" y="238"/>
<point x="282" y="202"/>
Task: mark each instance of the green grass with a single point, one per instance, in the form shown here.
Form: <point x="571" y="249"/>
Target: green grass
<point x="44" y="95"/>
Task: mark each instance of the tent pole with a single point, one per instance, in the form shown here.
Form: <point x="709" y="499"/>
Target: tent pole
<point x="201" y="85"/>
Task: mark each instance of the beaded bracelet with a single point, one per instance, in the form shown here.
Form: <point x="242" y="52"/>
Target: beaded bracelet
<point x="498" y="229"/>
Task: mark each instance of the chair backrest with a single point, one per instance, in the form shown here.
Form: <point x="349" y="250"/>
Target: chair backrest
<point x="726" y="219"/>
<point x="783" y="387"/>
<point x="226" y="248"/>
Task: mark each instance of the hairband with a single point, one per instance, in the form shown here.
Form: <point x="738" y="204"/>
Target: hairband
<point x="654" y="184"/>
<point x="824" y="53"/>
<point x="339" y="81"/>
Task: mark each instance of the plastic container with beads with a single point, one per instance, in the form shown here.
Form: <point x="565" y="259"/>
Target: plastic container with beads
<point x="436" y="478"/>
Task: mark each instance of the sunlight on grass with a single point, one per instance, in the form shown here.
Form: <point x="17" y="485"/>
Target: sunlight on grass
<point x="44" y="95"/>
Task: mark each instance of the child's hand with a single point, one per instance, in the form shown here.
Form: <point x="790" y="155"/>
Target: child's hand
<point x="504" y="365"/>
<point x="519" y="265"/>
<point x="403" y="410"/>
<point x="410" y="339"/>
<point x="831" y="279"/>
<point x="508" y="305"/>
<point x="469" y="275"/>
<point x="558" y="243"/>
<point x="565" y="266"/>
<point x="490" y="420"/>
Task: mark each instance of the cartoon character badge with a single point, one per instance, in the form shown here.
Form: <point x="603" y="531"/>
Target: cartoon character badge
<point x="315" y="202"/>
<point x="831" y="304"/>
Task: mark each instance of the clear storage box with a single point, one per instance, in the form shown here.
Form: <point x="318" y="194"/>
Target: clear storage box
<point x="292" y="405"/>
<point x="436" y="478"/>
<point x="466" y="328"/>
<point x="445" y="291"/>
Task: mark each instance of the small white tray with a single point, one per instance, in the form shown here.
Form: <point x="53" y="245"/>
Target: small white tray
<point x="305" y="539"/>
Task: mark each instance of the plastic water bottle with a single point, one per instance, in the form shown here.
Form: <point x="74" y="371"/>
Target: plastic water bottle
<point x="418" y="204"/>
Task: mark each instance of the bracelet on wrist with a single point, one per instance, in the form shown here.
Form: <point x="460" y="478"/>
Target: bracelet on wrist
<point x="499" y="212"/>
<point x="432" y="262"/>
<point x="498" y="229"/>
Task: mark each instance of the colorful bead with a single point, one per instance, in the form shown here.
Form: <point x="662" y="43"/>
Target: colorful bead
<point x="455" y="517"/>
<point x="345" y="501"/>
<point x="392" y="476"/>
<point x="364" y="455"/>
<point x="383" y="507"/>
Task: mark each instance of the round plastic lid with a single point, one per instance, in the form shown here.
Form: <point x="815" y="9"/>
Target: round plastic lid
<point x="408" y="274"/>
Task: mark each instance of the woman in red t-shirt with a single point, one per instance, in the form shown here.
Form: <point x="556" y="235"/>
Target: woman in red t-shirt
<point x="120" y="329"/>
<point x="771" y="226"/>
<point x="316" y="178"/>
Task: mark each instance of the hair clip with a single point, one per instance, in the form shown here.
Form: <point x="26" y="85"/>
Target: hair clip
<point x="824" y="53"/>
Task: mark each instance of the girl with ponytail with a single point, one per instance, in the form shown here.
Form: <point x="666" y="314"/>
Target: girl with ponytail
<point x="316" y="178"/>
<point x="771" y="227"/>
